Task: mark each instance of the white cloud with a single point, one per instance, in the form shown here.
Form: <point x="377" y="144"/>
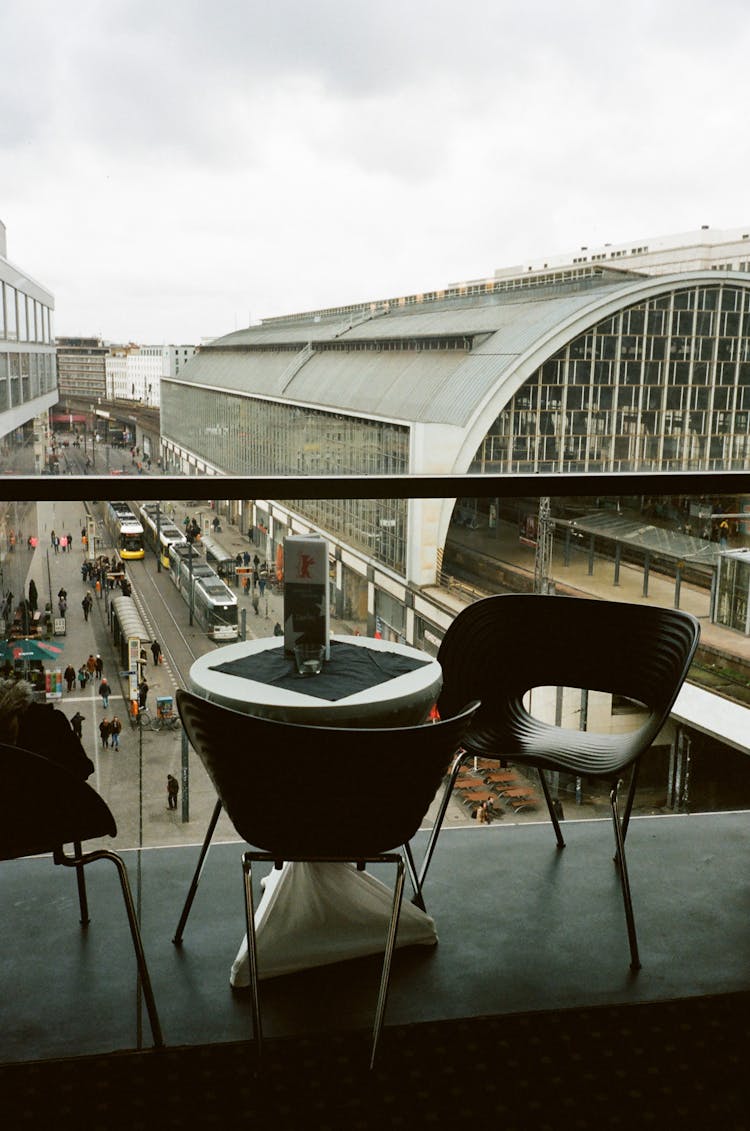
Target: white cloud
<point x="168" y="166"/>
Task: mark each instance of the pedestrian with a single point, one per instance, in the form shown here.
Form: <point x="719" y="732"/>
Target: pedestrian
<point x="278" y="630"/>
<point x="63" y="542"/>
<point x="83" y="676"/>
<point x="115" y="727"/>
<point x="262" y="584"/>
<point x="105" y="691"/>
<point x="91" y="664"/>
<point x="76" y="722"/>
<point x="62" y="593"/>
<point x="86" y="604"/>
<point x="104" y="731"/>
<point x="98" y="588"/>
<point x="62" y="607"/>
<point x="156" y="652"/>
<point x="98" y="666"/>
<point x="70" y="676"/>
<point x="256" y="604"/>
<point x="173" y="789"/>
<point x="143" y="690"/>
<point x="70" y="542"/>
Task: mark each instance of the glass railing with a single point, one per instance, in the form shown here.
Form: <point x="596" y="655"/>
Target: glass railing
<point x="476" y="536"/>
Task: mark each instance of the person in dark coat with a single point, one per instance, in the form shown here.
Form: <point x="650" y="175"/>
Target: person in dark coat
<point x="70" y="676"/>
<point x="156" y="651"/>
<point x="142" y="694"/>
<point x="41" y="728"/>
<point x="77" y="724"/>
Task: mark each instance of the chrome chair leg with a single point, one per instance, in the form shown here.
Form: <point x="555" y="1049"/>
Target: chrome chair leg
<point x="551" y="808"/>
<point x="411" y="868"/>
<point x="197" y="873"/>
<point x="388" y="956"/>
<point x="145" y="980"/>
<point x="83" y="902"/>
<point x="635" y="962"/>
<point x="439" y="822"/>
<point x="252" y="950"/>
<point x="390" y="942"/>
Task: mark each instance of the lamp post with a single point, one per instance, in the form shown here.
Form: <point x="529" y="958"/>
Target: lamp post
<point x="158" y="536"/>
<point x="190" y="578"/>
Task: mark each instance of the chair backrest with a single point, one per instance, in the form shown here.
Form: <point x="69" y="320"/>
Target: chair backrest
<point x="500" y="647"/>
<point x="313" y="790"/>
<point x="44" y="806"/>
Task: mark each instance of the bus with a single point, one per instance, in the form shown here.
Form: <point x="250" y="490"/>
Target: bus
<point x="167" y="531"/>
<point x="213" y="603"/>
<point x="125" y="530"/>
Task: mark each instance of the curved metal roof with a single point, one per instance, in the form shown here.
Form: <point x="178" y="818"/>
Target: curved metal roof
<point x="129" y="618"/>
<point x="394" y="366"/>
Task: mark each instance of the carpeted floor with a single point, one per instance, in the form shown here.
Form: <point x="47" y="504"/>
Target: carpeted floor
<point x="656" y="1065"/>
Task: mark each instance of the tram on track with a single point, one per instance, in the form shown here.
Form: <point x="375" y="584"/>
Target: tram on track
<point x="214" y="604"/>
<point x="125" y="530"/>
<point x="162" y="533"/>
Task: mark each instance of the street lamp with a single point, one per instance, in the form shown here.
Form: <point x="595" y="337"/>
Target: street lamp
<point x="190" y="578"/>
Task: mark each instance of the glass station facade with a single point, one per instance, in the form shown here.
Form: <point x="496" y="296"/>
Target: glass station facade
<point x="249" y="436"/>
<point x="663" y="385"/>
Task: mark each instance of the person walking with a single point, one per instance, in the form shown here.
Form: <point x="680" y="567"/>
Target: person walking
<point x="86" y="604"/>
<point x="91" y="664"/>
<point x="173" y="788"/>
<point x="115" y="728"/>
<point x="76" y="722"/>
<point x="70" y="677"/>
<point x="105" y="691"/>
<point x="143" y="690"/>
<point x="83" y="676"/>
<point x="98" y="666"/>
<point x="256" y="604"/>
<point x="156" y="652"/>
<point x="104" y="731"/>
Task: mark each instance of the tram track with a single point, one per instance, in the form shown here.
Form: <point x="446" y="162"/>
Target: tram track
<point x="177" y="648"/>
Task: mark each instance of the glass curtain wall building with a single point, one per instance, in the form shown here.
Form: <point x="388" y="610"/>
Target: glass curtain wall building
<point x="28" y="381"/>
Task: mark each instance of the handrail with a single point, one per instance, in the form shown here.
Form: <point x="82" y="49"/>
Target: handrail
<point x="152" y="487"/>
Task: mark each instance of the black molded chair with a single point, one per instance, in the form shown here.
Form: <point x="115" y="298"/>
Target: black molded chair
<point x="320" y="794"/>
<point x="499" y="648"/>
<point x="44" y="807"/>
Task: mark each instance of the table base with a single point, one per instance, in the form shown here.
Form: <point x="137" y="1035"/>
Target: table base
<point x="325" y="913"/>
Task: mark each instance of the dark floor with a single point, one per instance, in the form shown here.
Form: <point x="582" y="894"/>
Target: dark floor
<point x="522" y="926"/>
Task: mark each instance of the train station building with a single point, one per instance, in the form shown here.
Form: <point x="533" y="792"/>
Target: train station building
<point x="619" y="360"/>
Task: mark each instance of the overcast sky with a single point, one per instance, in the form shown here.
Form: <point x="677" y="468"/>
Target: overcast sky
<point x="171" y="169"/>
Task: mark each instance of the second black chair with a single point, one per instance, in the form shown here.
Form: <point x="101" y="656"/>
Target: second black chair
<point x="500" y="648"/>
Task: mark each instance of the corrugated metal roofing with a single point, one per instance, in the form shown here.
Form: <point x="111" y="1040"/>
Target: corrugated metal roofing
<point x="408" y="384"/>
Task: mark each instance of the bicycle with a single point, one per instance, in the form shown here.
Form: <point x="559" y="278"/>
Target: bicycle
<point x="159" y="722"/>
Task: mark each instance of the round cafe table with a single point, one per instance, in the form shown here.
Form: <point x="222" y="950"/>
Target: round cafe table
<point x="315" y="914"/>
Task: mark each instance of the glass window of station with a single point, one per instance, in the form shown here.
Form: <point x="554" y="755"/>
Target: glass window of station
<point x="247" y="436"/>
<point x="662" y="385"/>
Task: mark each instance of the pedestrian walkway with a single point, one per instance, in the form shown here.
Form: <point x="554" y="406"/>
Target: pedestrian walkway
<point x="116" y="771"/>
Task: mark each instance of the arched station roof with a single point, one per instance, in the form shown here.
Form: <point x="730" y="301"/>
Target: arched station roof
<point x="453" y="362"/>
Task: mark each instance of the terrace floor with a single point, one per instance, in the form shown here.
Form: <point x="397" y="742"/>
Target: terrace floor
<point x="522" y="927"/>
